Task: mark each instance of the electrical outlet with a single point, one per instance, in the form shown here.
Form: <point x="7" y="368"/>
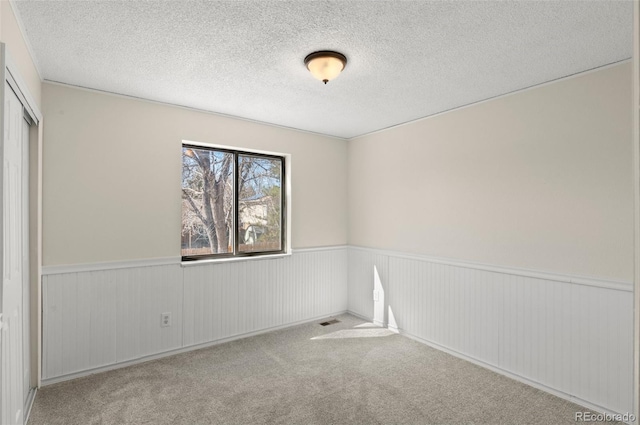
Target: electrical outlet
<point x="165" y="320"/>
<point x="376" y="295"/>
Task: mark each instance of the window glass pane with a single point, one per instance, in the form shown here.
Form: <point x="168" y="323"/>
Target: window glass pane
<point x="259" y="204"/>
<point x="207" y="201"/>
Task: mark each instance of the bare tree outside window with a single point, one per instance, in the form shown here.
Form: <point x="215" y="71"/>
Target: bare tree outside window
<point x="259" y="204"/>
<point x="207" y="191"/>
<point x="231" y="203"/>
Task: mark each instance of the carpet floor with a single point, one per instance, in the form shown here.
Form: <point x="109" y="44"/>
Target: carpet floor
<point x="346" y="373"/>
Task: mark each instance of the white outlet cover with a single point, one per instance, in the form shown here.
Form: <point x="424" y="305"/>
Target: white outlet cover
<point x="165" y="320"/>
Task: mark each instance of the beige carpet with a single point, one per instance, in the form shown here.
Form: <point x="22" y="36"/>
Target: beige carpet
<point x="345" y="373"/>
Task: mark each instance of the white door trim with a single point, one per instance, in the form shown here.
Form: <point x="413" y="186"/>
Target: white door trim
<point x="27" y="353"/>
<point x="636" y="194"/>
<point x="11" y="74"/>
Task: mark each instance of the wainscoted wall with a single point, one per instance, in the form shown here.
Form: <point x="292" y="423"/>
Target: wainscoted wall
<point x="571" y="336"/>
<point x="94" y="319"/>
<point x="568" y="335"/>
<point x="235" y="299"/>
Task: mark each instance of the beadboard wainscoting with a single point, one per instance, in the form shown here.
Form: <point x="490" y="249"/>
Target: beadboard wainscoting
<point x="567" y="335"/>
<point x="236" y="299"/>
<point x="103" y="316"/>
<point x="570" y="336"/>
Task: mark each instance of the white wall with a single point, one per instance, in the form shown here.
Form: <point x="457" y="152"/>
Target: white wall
<point x="11" y="35"/>
<point x="569" y="336"/>
<point x="112" y="175"/>
<point x="541" y="179"/>
<point x="104" y="318"/>
<point x="504" y="234"/>
<point x="537" y="184"/>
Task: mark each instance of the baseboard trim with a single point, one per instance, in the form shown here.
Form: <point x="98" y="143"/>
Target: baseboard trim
<point x="516" y="377"/>
<point x="359" y="316"/>
<point x="119" y="365"/>
<point x="514" y="271"/>
<point x="496" y="369"/>
<point x="31" y="398"/>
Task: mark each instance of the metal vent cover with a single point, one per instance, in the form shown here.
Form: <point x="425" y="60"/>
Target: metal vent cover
<point x="329" y="322"/>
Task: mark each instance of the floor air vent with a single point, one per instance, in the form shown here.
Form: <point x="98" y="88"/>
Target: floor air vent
<point x="330" y="322"/>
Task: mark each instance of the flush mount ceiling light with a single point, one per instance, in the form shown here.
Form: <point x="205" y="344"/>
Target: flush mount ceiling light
<point x="325" y="65"/>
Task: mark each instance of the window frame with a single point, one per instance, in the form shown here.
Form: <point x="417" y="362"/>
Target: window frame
<point x="285" y="201"/>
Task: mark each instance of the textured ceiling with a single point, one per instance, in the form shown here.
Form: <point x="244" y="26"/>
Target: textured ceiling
<point x="407" y="59"/>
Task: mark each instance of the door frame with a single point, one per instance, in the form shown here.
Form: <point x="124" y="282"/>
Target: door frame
<point x="10" y="73"/>
<point x="636" y="209"/>
<point x="28" y="389"/>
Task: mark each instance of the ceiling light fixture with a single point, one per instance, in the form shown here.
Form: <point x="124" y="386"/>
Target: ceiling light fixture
<point x="325" y="65"/>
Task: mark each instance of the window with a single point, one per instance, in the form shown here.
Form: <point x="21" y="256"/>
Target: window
<point x="233" y="204"/>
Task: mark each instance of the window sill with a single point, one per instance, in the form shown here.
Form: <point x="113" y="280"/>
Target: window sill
<point x="233" y="259"/>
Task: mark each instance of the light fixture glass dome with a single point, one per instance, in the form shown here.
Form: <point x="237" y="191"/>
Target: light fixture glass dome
<point x="325" y="65"/>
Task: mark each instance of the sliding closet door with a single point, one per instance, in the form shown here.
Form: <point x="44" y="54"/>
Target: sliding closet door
<point x="13" y="225"/>
<point x="26" y="292"/>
